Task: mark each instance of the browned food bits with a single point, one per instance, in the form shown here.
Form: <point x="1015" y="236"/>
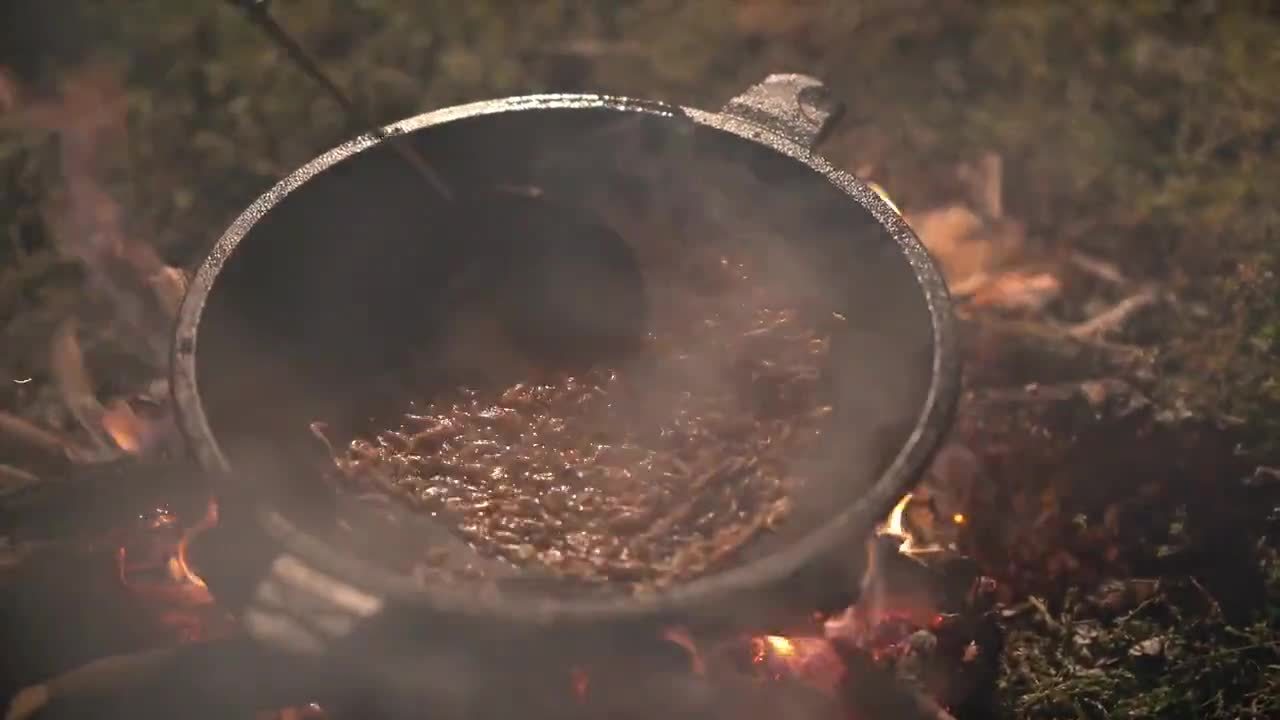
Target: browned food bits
<point x="648" y="473"/>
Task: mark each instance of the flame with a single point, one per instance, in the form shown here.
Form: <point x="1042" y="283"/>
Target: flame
<point x="958" y="518"/>
<point x="780" y="646"/>
<point x="180" y="568"/>
<point x="125" y="427"/>
<point x="811" y="660"/>
<point x="894" y="524"/>
<point x="883" y="196"/>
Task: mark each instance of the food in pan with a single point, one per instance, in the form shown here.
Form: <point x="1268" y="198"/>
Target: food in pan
<point x="650" y="472"/>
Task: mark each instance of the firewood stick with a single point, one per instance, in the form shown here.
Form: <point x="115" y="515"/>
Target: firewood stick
<point x="221" y="679"/>
<point x="1010" y="352"/>
<point x="35" y="437"/>
<point x="66" y="361"/>
<point x="13" y="479"/>
<point x="1115" y="317"/>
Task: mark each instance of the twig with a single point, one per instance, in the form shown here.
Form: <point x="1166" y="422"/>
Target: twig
<point x="1009" y="352"/>
<point x="12" y="478"/>
<point x="257" y="12"/>
<point x="168" y="285"/>
<point x="14" y="555"/>
<point x="1263" y="476"/>
<point x="38" y="438"/>
<point x="1214" y="606"/>
<point x="593" y="50"/>
<point x="215" y="679"/>
<point x="985" y="180"/>
<point x="1098" y="268"/>
<point x="66" y="362"/>
<point x="1113" y="319"/>
<point x="993" y="185"/>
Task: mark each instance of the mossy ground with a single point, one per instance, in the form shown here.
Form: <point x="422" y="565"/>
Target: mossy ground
<point x="1147" y="133"/>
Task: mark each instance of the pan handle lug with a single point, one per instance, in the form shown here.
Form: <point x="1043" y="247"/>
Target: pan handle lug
<point x="798" y="107"/>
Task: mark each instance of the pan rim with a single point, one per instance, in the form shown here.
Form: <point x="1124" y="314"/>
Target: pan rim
<point x="698" y="598"/>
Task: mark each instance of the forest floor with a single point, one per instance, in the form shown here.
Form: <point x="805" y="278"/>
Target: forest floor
<point x="1093" y="177"/>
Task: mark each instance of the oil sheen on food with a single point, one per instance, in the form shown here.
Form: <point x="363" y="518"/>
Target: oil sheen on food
<point x="649" y="472"/>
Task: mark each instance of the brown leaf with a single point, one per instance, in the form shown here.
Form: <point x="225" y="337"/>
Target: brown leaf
<point x="1018" y="290"/>
<point x="965" y="245"/>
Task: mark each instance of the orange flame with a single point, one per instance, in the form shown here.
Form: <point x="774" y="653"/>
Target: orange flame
<point x="895" y="525"/>
<point x="883" y="196"/>
<point x="780" y="646"/>
<point x="180" y="569"/>
<point x="809" y="659"/>
<point x="126" y="429"/>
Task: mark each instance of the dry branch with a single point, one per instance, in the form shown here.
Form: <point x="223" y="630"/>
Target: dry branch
<point x="1114" y="318"/>
<point x="221" y="679"/>
<point x="1015" y="352"/>
<point x="13" y="479"/>
<point x="1098" y="268"/>
<point x="29" y="435"/>
<point x="66" y="362"/>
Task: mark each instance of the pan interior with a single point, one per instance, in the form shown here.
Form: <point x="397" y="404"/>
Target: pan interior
<point x="343" y="288"/>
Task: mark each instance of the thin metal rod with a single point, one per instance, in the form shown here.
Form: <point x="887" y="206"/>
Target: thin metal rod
<point x="257" y="12"/>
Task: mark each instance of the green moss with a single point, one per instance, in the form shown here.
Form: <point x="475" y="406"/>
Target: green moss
<point x="1169" y="658"/>
<point x="1146" y="132"/>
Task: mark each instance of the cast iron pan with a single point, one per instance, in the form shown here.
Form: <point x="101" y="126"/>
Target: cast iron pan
<point x="341" y="275"/>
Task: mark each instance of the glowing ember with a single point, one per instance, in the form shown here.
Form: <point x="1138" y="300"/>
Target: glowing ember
<point x="581" y="683"/>
<point x="780" y="645"/>
<point x="810" y="660"/>
<point x="125" y="427"/>
<point x="179" y="561"/>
